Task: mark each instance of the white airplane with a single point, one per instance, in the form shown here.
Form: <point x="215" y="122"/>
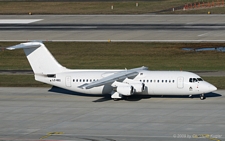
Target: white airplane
<point x="118" y="83"/>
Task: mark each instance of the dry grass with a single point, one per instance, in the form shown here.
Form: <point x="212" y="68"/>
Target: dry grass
<point x="157" y="56"/>
<point x="93" y="7"/>
<point x="20" y="81"/>
<point x="217" y="81"/>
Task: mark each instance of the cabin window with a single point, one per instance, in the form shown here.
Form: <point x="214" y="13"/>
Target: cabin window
<point x="73" y="80"/>
<point x="158" y="81"/>
<point x="162" y="81"/>
<point x="76" y="80"/>
<point x="147" y="81"/>
<point x="151" y="81"/>
<point x="173" y="81"/>
<point x="143" y="80"/>
<point x="169" y="81"/>
<point x="80" y="80"/>
<point x="90" y="80"/>
<point x="166" y="81"/>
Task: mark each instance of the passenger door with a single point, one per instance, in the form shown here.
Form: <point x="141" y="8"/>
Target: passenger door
<point x="68" y="81"/>
<point x="180" y="82"/>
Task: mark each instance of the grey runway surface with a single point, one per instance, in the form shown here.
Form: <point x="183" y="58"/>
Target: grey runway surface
<point x="140" y="28"/>
<point x="38" y="114"/>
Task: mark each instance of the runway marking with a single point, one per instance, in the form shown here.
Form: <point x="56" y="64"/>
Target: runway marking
<point x="203" y="34"/>
<point x="18" y="21"/>
<point x="51" y="134"/>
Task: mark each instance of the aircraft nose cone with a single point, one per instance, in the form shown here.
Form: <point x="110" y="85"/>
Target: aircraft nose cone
<point x="212" y="88"/>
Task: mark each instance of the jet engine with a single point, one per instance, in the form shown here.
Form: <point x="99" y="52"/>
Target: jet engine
<point x="125" y="90"/>
<point x="138" y="86"/>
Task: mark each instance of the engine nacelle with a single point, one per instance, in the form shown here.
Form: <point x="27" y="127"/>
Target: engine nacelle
<point x="138" y="86"/>
<point x="125" y="90"/>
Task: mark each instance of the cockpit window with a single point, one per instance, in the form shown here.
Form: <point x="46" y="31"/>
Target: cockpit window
<point x="195" y="80"/>
<point x="200" y="79"/>
<point x="192" y="80"/>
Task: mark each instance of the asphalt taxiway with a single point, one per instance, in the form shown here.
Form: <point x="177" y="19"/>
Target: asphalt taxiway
<point x="40" y="114"/>
<point x="126" y="28"/>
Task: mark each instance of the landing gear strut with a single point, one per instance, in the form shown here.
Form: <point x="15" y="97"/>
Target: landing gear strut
<point x="202" y="96"/>
<point x="116" y="96"/>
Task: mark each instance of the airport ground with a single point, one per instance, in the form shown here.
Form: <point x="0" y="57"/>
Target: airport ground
<point x="54" y="114"/>
<point x="43" y="114"/>
<point x="116" y="28"/>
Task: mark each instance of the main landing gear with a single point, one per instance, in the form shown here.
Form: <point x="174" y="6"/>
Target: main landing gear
<point x="190" y="96"/>
<point x="116" y="99"/>
<point x="202" y="97"/>
<point x="116" y="96"/>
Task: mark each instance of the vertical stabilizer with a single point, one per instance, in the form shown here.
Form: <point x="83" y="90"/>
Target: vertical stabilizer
<point x="40" y="59"/>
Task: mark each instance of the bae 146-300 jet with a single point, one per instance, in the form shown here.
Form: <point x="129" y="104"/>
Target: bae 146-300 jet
<point x="118" y="83"/>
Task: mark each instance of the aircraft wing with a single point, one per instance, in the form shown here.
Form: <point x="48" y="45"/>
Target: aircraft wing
<point x="116" y="76"/>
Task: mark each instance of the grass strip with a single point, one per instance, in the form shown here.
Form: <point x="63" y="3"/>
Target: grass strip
<point x="20" y="81"/>
<point x="156" y="56"/>
<point x="216" y="81"/>
<point x="124" y="7"/>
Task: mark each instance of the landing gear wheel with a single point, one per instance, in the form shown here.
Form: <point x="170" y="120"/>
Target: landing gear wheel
<point x="202" y="97"/>
<point x="126" y="97"/>
<point x="115" y="99"/>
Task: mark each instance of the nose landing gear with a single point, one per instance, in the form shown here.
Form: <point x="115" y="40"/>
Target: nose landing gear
<point x="202" y="97"/>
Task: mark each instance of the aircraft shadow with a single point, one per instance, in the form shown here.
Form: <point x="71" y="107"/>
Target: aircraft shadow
<point x="104" y="98"/>
<point x="68" y="92"/>
<point x="140" y="97"/>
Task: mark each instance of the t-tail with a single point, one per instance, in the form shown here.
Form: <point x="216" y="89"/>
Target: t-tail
<point x="41" y="60"/>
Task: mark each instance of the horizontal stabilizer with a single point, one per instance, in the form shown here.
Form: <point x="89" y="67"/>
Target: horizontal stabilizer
<point x="25" y="45"/>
